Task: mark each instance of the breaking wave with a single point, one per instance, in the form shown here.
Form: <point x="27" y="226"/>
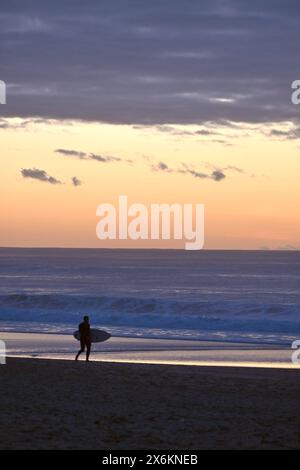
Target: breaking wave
<point x="200" y="318"/>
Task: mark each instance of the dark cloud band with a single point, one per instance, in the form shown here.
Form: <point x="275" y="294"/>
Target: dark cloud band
<point x="150" y="62"/>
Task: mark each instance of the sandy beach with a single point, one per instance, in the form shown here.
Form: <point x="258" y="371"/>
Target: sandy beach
<point x="58" y="404"/>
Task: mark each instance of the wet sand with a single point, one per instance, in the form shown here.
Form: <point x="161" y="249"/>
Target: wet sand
<point x="58" y="404"/>
<point x="150" y="350"/>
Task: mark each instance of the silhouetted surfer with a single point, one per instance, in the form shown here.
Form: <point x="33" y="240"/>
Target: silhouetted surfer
<point x="85" y="337"/>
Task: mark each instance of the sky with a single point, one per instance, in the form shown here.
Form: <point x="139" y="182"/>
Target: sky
<point x="165" y="102"/>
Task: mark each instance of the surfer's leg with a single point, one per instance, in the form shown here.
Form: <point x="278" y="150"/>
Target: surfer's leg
<point x="78" y="354"/>
<point x="80" y="350"/>
<point x="88" y="350"/>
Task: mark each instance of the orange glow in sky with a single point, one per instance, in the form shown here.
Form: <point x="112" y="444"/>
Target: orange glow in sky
<point x="254" y="206"/>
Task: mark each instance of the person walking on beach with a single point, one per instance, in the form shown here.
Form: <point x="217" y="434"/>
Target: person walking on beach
<point x="85" y="338"/>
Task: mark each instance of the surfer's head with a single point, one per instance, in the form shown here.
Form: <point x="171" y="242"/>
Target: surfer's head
<point x="86" y="318"/>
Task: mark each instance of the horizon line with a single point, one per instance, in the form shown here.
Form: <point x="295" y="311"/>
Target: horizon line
<point x="143" y="249"/>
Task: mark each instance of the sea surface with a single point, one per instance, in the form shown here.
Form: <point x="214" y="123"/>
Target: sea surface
<point x="249" y="296"/>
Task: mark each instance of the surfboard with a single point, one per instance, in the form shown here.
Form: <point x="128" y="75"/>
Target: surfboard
<point x="97" y="336"/>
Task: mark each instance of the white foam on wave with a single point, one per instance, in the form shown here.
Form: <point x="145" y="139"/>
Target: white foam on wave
<point x="226" y="320"/>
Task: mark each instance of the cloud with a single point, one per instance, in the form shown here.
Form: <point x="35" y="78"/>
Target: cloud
<point x="6" y="124"/>
<point x="173" y="130"/>
<point x="215" y="61"/>
<point x="235" y="168"/>
<point x="71" y="153"/>
<point x="25" y="123"/>
<point x="90" y="156"/>
<point x="40" y="175"/>
<point x="177" y="131"/>
<point x="102" y="158"/>
<point x="289" y="134"/>
<point x="204" y="132"/>
<point x="190" y="171"/>
<point x="76" y="181"/>
<point x="161" y="166"/>
<point x="216" y="175"/>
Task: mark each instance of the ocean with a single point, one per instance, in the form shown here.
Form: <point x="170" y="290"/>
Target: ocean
<point x="249" y="296"/>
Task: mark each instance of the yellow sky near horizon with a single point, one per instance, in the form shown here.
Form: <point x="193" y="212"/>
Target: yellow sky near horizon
<point x="251" y="209"/>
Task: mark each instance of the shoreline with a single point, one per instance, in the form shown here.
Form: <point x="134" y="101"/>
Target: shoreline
<point x="50" y="404"/>
<point x="151" y="351"/>
<point x="69" y="331"/>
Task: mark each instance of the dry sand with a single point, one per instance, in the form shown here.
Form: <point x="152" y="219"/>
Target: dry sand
<point x="52" y="404"/>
